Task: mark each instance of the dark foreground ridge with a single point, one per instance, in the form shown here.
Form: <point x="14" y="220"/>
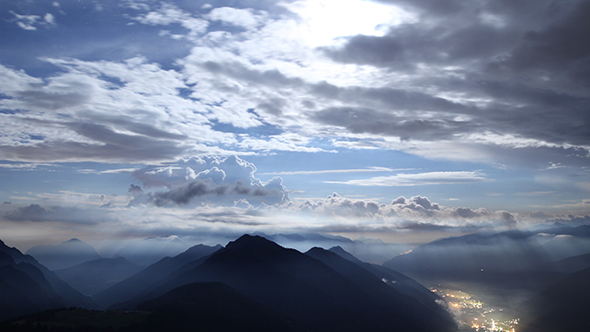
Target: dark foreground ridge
<point x="27" y="287"/>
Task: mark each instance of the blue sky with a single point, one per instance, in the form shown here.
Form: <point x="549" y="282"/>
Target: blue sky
<point x="148" y="118"/>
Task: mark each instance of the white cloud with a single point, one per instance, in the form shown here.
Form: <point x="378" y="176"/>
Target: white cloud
<point x="168" y="14"/>
<point x="244" y="18"/>
<point x="418" y="179"/>
<point x="49" y="18"/>
<point x="26" y="22"/>
<point x="30" y="22"/>
<point x="331" y="171"/>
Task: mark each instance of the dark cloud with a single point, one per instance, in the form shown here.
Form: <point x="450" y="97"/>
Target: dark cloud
<point x="219" y="193"/>
<point x="237" y="71"/>
<point x="466" y="213"/>
<point x="133" y="189"/>
<point x="33" y="212"/>
<point x="215" y="180"/>
<point x="529" y="59"/>
<point x="106" y="145"/>
<point x="358" y="120"/>
<point x="54" y="101"/>
<point x="37" y="213"/>
<point x="563" y="45"/>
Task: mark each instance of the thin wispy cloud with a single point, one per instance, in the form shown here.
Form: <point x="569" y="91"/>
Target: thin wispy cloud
<point x="419" y="179"/>
<point x="336" y="171"/>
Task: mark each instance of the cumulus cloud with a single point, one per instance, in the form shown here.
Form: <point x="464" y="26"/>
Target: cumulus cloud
<point x="416" y="212"/>
<point x="211" y="180"/>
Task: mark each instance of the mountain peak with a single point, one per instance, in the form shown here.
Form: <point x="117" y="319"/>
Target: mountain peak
<point x="251" y="241"/>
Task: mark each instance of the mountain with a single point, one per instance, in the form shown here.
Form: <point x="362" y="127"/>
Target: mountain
<point x="307" y="290"/>
<point x="382" y="285"/>
<point x="212" y="307"/>
<point x="150" y="250"/>
<point x="91" y="277"/>
<point x="64" y="255"/>
<point x="497" y="262"/>
<point x="194" y="307"/>
<point x="395" y="279"/>
<point x="561" y="307"/>
<point x="466" y="255"/>
<point x="27" y="286"/>
<point x="23" y="289"/>
<point x="368" y="250"/>
<point x="152" y="275"/>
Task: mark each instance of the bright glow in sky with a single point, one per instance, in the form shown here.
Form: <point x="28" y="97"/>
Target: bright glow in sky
<point x="324" y="21"/>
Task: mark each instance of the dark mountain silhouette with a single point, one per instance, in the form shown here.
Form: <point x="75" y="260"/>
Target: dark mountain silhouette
<point x="78" y="320"/>
<point x="561" y="307"/>
<point x="194" y="307"/>
<point x="212" y="307"/>
<point x="152" y="275"/>
<point x="23" y="287"/>
<point x="24" y="291"/>
<point x="568" y="265"/>
<point x="417" y="301"/>
<point x="397" y="280"/>
<point x="94" y="276"/>
<point x="64" y="255"/>
<point x="27" y="286"/>
<point x="299" y="286"/>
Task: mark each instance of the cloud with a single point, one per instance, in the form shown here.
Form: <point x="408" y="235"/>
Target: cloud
<point x="403" y="213"/>
<point x="331" y="171"/>
<point x="168" y="14"/>
<point x="418" y="179"/>
<point x="270" y="193"/>
<point x="138" y="131"/>
<point x="238" y="17"/>
<point x="404" y="127"/>
<point x="444" y="79"/>
<point x="67" y="215"/>
<point x="33" y="212"/>
<point x="210" y="180"/>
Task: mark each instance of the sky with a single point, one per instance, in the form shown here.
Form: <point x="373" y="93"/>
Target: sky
<point x="398" y="120"/>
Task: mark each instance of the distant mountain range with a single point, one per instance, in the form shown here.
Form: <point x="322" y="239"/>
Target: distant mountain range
<point x="94" y="276"/>
<point x="153" y="275"/>
<point x="150" y="250"/>
<point x="138" y="252"/>
<point x="516" y="259"/>
<point x="64" y="255"/>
